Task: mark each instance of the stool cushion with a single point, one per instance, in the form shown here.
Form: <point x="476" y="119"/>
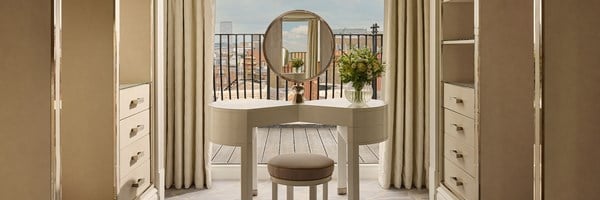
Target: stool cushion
<point x="300" y="167"/>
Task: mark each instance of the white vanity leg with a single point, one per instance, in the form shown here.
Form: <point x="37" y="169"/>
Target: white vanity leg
<point x="325" y="192"/>
<point x="342" y="169"/>
<point x="274" y="191"/>
<point x="290" y="193"/>
<point x="353" y="166"/>
<point x="246" y="168"/>
<point x="254" y="162"/>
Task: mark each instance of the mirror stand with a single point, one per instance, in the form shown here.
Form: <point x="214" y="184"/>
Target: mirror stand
<point x="297" y="96"/>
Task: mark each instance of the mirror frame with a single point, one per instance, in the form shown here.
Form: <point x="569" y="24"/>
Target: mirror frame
<point x="270" y="62"/>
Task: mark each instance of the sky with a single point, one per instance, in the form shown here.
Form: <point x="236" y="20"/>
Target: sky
<point x="253" y="16"/>
<point x="295" y="36"/>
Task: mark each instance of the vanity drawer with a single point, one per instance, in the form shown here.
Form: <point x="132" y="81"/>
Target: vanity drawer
<point x="459" y="182"/>
<point x="460" y="154"/>
<point x="133" y="100"/>
<point x="133" y="128"/>
<point x="460" y="127"/>
<point x="135" y="183"/>
<point x="460" y="99"/>
<point x="134" y="155"/>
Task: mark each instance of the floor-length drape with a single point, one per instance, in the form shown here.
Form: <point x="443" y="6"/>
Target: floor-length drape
<point x="405" y="154"/>
<point x="312" y="58"/>
<point x="189" y="66"/>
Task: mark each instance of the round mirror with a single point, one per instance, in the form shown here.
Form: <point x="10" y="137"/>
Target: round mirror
<point x="299" y="45"/>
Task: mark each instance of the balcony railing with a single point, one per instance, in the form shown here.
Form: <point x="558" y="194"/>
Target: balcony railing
<point x="241" y="71"/>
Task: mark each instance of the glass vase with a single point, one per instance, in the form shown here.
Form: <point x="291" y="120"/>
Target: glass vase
<point x="358" y="97"/>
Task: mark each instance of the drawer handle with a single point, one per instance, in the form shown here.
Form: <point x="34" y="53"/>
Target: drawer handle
<point x="458" y="127"/>
<point x="137" y="157"/>
<point x="138" y="183"/>
<point x="457" y="153"/>
<point x="457" y="182"/>
<point x="135" y="130"/>
<point x="135" y="102"/>
<point x="457" y="100"/>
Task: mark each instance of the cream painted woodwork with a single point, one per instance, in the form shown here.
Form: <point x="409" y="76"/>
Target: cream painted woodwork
<point x="136" y="127"/>
<point x="134" y="155"/>
<point x="462" y="184"/>
<point x="460" y="154"/>
<point x="133" y="100"/>
<point x="234" y="123"/>
<point x="27" y="114"/>
<point x="460" y="127"/>
<point x="484" y="62"/>
<point x="569" y="75"/>
<point x="459" y="98"/>
<point x="108" y="138"/>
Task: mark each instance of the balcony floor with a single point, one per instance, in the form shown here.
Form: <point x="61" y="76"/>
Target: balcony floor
<point x="369" y="190"/>
<point x="296" y="138"/>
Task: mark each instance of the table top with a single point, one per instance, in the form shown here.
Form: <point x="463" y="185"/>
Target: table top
<point x="250" y="104"/>
<point x="230" y="120"/>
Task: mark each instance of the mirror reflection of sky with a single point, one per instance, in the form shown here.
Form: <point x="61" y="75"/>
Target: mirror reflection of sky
<point x="295" y="36"/>
<point x="253" y="16"/>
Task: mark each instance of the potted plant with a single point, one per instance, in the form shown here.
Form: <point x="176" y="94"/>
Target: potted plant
<point x="296" y="64"/>
<point x="358" y="68"/>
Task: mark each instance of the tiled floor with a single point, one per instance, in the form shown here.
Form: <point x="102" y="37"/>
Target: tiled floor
<point x="295" y="138"/>
<point x="229" y="190"/>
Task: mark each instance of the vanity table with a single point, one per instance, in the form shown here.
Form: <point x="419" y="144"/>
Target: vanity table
<point x="234" y="123"/>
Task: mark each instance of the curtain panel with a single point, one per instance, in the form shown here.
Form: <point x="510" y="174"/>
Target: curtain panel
<point x="189" y="67"/>
<point x="405" y="154"/>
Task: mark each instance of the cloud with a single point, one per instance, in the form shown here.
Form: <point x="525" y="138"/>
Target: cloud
<point x="295" y="38"/>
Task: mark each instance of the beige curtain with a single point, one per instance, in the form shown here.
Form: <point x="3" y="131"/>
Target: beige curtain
<point x="405" y="154"/>
<point x="312" y="63"/>
<point x="189" y="66"/>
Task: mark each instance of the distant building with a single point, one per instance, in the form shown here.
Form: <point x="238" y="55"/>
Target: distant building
<point x="226" y="27"/>
<point x="350" y="31"/>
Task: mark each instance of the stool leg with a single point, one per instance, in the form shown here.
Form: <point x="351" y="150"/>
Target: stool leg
<point x="274" y="191"/>
<point x="313" y="192"/>
<point x="325" y="192"/>
<point x="290" y="192"/>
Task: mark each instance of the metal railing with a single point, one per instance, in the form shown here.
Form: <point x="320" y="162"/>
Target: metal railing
<point x="240" y="69"/>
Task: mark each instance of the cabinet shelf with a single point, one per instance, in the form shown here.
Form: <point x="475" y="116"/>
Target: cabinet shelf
<point x="449" y="42"/>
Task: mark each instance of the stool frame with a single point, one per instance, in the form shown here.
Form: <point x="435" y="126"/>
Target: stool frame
<point x="291" y="183"/>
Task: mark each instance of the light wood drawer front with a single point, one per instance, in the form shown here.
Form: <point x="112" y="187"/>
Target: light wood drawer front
<point x="460" y="99"/>
<point x="134" y="155"/>
<point x="133" y="100"/>
<point x="461" y="154"/>
<point x="133" y="128"/>
<point x="460" y="127"/>
<point x="459" y="182"/>
<point x="135" y="183"/>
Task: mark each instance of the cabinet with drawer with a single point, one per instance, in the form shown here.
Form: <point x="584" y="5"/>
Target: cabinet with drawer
<point x="460" y="140"/>
<point x="107" y="140"/>
<point x="482" y="94"/>
<point x="134" y="140"/>
<point x="459" y="98"/>
<point x="459" y="182"/>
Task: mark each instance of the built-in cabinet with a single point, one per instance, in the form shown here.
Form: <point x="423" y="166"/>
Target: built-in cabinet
<point x="459" y="142"/>
<point x="485" y="113"/>
<point x="108" y="139"/>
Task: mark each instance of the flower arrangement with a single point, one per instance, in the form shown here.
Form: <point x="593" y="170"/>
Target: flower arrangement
<point x="359" y="67"/>
<point x="297" y="63"/>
